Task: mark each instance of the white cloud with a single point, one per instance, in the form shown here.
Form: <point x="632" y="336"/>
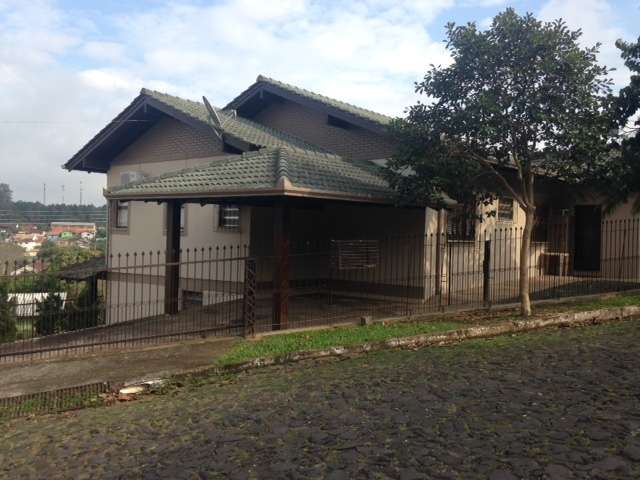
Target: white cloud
<point x="68" y="76"/>
<point x="221" y="48"/>
<point x="107" y="51"/>
<point x="108" y="79"/>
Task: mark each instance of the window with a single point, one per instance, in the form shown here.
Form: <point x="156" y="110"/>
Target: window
<point x="122" y="214"/>
<point x="183" y="218"/>
<point x="505" y="209"/>
<point x="461" y="224"/>
<point x="338" y="122"/>
<point x="229" y="216"/>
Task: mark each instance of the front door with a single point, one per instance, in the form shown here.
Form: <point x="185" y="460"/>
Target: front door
<point x="586" y="256"/>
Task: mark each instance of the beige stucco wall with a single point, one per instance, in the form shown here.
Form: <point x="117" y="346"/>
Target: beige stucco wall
<point x="463" y="260"/>
<point x="166" y="147"/>
<point x="169" y="146"/>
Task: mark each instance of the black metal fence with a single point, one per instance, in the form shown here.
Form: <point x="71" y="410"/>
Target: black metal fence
<point x="226" y="290"/>
<point x="53" y="401"/>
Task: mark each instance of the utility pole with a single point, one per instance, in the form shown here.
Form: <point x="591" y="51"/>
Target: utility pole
<point x="80" y="192"/>
<point x="44" y="193"/>
<point x="63" y="194"/>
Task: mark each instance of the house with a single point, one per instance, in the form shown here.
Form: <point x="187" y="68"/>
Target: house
<point x="26" y="304"/>
<point x="76" y="228"/>
<point x="280" y="166"/>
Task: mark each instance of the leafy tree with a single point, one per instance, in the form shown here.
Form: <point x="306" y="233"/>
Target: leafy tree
<point x="50" y="313"/>
<point x="8" y="329"/>
<point x="519" y="100"/>
<point x="623" y="180"/>
<point x="6" y="198"/>
<point x="58" y="258"/>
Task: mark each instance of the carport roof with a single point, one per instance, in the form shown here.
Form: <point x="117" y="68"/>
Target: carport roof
<point x="278" y="171"/>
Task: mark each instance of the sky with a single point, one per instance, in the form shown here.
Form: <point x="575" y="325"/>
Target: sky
<point x="68" y="67"/>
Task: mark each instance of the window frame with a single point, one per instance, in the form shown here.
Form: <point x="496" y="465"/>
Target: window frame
<point x="221" y="217"/>
<point x="117" y="207"/>
<point x="461" y="225"/>
<point x="512" y="218"/>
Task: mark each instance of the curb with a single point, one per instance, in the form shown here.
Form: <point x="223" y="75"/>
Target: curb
<point x="571" y="319"/>
<point x="134" y="390"/>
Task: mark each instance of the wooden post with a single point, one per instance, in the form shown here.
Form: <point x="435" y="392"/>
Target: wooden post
<point x="486" y="274"/>
<point x="281" y="241"/>
<point x="172" y="263"/>
<point x="438" y="274"/>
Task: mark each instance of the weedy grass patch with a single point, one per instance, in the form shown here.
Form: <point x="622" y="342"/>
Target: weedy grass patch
<point x="282" y="344"/>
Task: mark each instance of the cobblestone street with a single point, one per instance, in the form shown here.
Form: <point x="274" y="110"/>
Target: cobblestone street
<point x="556" y="404"/>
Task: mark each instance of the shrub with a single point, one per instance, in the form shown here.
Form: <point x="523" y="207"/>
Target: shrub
<point x="86" y="311"/>
<point x="50" y="315"/>
<point x="7" y="316"/>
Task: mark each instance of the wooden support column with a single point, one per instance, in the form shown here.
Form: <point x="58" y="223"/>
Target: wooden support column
<point x="172" y="268"/>
<point x="439" y="241"/>
<point x="281" y="244"/>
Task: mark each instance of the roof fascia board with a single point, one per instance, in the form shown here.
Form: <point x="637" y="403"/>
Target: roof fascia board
<point x="298" y="193"/>
<point x="143" y="100"/>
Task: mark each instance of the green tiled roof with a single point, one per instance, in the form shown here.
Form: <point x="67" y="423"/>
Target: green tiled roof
<point x="276" y="171"/>
<point x="331" y="102"/>
<point x="238" y="127"/>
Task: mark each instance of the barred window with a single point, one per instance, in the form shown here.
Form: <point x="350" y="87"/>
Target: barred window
<point x="505" y="209"/>
<point x="461" y="224"/>
<point x="229" y="216"/>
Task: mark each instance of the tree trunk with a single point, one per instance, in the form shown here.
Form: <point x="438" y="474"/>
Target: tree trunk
<point x="525" y="254"/>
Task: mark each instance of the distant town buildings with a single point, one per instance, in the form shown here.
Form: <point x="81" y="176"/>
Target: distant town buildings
<point x="30" y="237"/>
<point x="76" y="228"/>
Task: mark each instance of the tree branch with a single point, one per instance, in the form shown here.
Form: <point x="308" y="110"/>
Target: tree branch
<point x="487" y="164"/>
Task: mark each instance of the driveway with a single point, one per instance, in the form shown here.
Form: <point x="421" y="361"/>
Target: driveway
<point x="556" y="404"/>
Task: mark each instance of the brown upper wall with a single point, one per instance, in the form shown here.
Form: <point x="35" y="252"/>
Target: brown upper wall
<point x="354" y="142"/>
<point x="169" y="140"/>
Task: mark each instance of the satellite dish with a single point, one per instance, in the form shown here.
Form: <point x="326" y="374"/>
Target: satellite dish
<point x="214" y="117"/>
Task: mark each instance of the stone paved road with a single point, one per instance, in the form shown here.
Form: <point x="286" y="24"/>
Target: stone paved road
<point x="561" y="404"/>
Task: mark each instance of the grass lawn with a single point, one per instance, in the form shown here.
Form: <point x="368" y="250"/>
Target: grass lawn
<point x="24" y="328"/>
<point x="283" y="344"/>
<point x="617" y="301"/>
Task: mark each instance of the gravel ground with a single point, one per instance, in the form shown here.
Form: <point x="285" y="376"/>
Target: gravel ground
<point x="556" y="404"/>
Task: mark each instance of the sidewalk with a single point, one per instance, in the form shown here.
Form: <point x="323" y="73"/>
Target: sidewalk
<point x="115" y="367"/>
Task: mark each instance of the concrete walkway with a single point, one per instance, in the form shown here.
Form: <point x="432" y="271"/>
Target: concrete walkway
<point x="113" y="367"/>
